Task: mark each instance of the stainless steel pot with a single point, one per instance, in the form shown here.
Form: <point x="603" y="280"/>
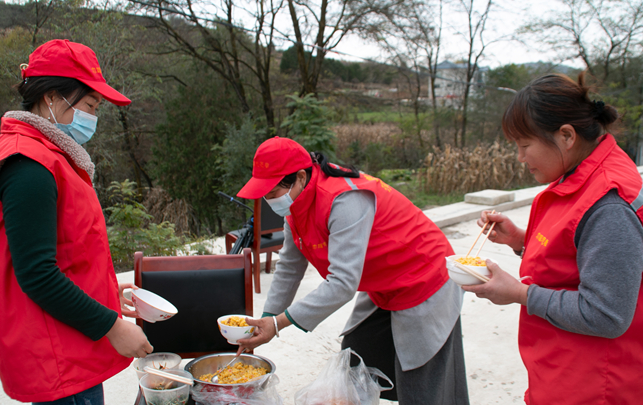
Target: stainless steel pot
<point x="212" y="362"/>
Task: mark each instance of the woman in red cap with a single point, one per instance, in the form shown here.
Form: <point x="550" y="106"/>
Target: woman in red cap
<point x="60" y="306"/>
<point x="581" y="320"/>
<point x="362" y="235"/>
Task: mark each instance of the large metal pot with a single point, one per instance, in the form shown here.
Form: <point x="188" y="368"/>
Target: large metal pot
<point x="212" y="362"/>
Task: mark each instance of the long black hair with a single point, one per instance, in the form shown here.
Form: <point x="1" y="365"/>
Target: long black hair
<point x="33" y="89"/>
<point x="330" y="169"/>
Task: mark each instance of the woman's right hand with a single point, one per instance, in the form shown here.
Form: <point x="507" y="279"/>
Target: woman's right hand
<point x="263" y="333"/>
<point x="504" y="232"/>
<point x="265" y="330"/>
<point x="128" y="339"/>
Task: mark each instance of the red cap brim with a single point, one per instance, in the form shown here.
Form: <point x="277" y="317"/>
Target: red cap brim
<point x="108" y="92"/>
<point x="257" y="188"/>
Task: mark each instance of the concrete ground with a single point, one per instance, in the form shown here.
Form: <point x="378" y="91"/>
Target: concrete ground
<point x="495" y="372"/>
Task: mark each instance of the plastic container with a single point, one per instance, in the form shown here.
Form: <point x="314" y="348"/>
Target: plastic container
<point x="161" y="391"/>
<point x="159" y="361"/>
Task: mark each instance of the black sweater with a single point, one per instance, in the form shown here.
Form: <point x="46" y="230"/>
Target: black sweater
<point x="28" y="195"/>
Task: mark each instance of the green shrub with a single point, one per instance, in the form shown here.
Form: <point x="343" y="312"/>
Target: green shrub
<point x="185" y="163"/>
<point x="130" y="228"/>
<point x="309" y="124"/>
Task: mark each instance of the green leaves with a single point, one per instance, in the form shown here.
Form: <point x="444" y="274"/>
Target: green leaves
<point x="130" y="228"/>
<point x="187" y="150"/>
<point x="309" y="124"/>
<point x="15" y="48"/>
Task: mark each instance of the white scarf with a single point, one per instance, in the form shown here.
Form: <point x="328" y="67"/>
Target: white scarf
<point x="71" y="148"/>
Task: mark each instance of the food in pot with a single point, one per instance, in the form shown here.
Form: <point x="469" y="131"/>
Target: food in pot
<point x="235" y="321"/>
<point x="471" y="261"/>
<point x="238" y="373"/>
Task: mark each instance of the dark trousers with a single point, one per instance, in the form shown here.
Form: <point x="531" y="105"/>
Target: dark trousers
<point x="91" y="396"/>
<point x="441" y="381"/>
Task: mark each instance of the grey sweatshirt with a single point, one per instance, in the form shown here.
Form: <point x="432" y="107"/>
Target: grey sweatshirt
<point x="609" y="242"/>
<point x="350" y="222"/>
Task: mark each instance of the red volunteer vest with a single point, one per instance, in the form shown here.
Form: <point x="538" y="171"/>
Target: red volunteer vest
<point x="405" y="259"/>
<point x="42" y="359"/>
<point x="564" y="367"/>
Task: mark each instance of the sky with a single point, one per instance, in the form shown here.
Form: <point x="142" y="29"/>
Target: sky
<point x="504" y="20"/>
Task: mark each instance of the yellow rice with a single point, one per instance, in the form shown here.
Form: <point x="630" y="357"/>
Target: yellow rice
<point x="471" y="261"/>
<point x="235" y="321"/>
<point x="236" y="374"/>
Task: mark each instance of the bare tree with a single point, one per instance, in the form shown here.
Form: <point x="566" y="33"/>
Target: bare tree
<point x="322" y="27"/>
<point x="263" y="47"/>
<point x="40" y="13"/>
<point x="474" y="37"/>
<point x="432" y="39"/>
<point x="599" y="32"/>
<point x="410" y="34"/>
<point x="207" y="32"/>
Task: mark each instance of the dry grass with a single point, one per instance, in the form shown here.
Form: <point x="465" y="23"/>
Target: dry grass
<point x="382" y="133"/>
<point x="487" y="166"/>
<point x="375" y="147"/>
<point x="447" y="171"/>
<point x="162" y="207"/>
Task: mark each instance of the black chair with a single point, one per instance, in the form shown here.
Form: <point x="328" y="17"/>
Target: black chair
<point x="268" y="237"/>
<point x="202" y="288"/>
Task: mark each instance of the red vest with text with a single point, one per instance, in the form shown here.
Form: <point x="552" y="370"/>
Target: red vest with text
<point x="405" y="259"/>
<point x="564" y="367"/>
<point x="42" y="359"/>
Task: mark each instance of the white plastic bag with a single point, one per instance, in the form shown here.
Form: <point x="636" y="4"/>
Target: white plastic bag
<point x="263" y="394"/>
<point x="340" y="384"/>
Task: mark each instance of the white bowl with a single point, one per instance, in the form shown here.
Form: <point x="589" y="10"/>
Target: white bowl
<point x="151" y="307"/>
<point x="460" y="277"/>
<point x="233" y="333"/>
<point x="159" y="361"/>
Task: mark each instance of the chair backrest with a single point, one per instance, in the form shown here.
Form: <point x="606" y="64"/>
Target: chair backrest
<point x="202" y="288"/>
<point x="267" y="219"/>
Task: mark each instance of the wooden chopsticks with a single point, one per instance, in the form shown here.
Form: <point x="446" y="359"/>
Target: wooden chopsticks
<point x="169" y="376"/>
<point x="485" y="238"/>
<point x="471" y="272"/>
<point x="478" y="237"/>
<point x="465" y="268"/>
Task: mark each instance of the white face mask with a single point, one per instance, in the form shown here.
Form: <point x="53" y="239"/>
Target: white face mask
<point x="281" y="205"/>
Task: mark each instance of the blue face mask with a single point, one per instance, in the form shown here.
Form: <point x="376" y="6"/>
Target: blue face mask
<point x="82" y="127"/>
<point x="281" y="205"/>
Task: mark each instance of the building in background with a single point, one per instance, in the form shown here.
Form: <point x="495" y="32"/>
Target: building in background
<point x="450" y="82"/>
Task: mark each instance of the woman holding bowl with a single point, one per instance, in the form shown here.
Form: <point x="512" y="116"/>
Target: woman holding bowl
<point x="362" y="235"/>
<point x="581" y="319"/>
<point x="60" y="307"/>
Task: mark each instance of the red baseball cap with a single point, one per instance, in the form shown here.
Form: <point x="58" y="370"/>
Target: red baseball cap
<point x="275" y="158"/>
<point x="61" y="57"/>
